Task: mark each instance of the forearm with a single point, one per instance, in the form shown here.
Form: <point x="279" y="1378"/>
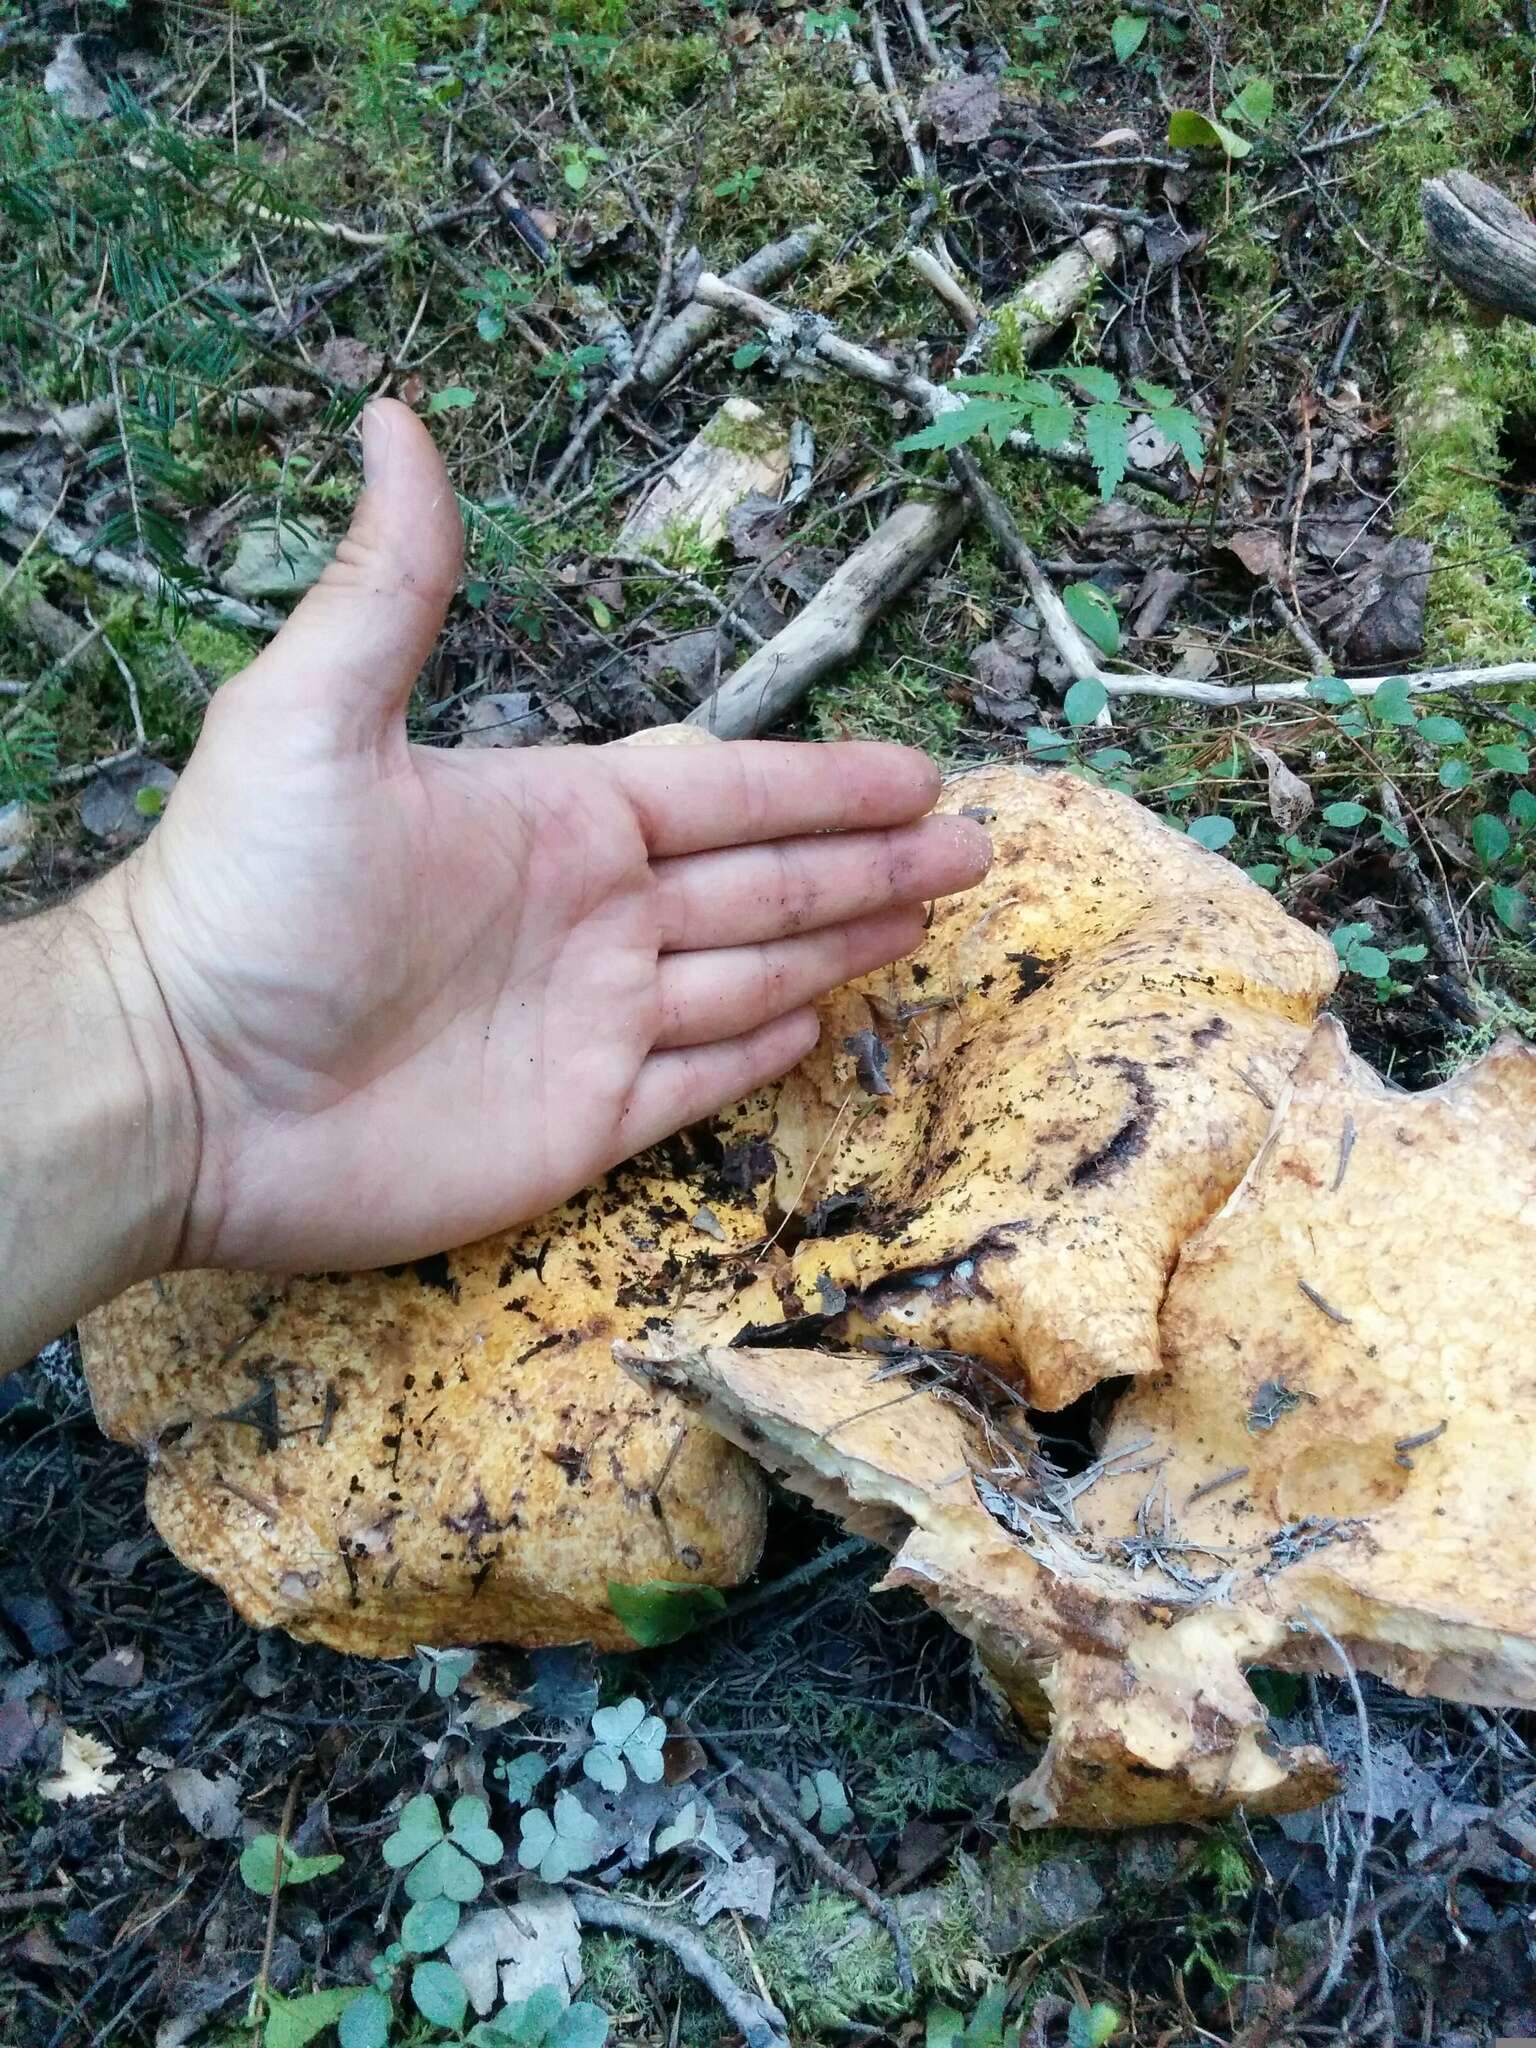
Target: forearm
<point x="98" y="1137"/>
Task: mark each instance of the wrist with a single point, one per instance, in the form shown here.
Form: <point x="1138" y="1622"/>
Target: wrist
<point x="98" y="1118"/>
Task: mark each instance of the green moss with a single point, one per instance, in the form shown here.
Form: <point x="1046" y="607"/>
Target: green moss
<point x="760" y="436"/>
<point x="1456" y="387"/>
<point x="828" y="1964"/>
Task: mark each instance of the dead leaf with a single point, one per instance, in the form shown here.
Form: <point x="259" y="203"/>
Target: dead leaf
<point x="1195" y="657"/>
<point x="1377" y="616"/>
<point x="1161" y="589"/>
<point x="1117" y="138"/>
<point x="1290" y="799"/>
<point x="547" y="1946"/>
<point x="353" y="364"/>
<point x="961" y="109"/>
<point x="502" y="718"/>
<point x="273" y="405"/>
<point x="1261" y="552"/>
<point x="70" y="84"/>
<point x="209" y="1806"/>
<point x="476" y="1951"/>
<point x="82" y="1771"/>
<point x="1004" y="676"/>
<point x="115" y="807"/>
<point x="744" y="1887"/>
<point x="123" y="1668"/>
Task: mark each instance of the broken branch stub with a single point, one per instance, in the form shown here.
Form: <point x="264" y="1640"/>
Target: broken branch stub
<point x="1483" y="243"/>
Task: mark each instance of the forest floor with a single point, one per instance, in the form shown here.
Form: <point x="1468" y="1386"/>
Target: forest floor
<point x="221" y="230"/>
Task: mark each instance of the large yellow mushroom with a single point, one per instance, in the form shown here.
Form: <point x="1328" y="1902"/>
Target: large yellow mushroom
<point x="1042" y="1154"/>
<point x="1332" y="1467"/>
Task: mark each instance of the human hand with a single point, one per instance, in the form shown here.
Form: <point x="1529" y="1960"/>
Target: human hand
<point x="414" y="995"/>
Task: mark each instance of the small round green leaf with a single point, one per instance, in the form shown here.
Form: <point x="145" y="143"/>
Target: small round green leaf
<point x="428" y="1924"/>
<point x="579" y="2026"/>
<point x="1508" y="760"/>
<point x="438" y="1995"/>
<point x="1212" y="832"/>
<point x="1522" y="808"/>
<point x="605" y="1767"/>
<point x="660" y="1612"/>
<point x="1455" y="773"/>
<point x="1490" y="838"/>
<point x="1369" y="961"/>
<point x="365" y="2023"/>
<point x="1127" y="34"/>
<point x="1084" y="701"/>
<point x="1512" y="907"/>
<point x="1442" y="732"/>
<point x="1345" y="815"/>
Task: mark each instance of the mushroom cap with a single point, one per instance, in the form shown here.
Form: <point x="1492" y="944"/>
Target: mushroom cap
<point x="1333" y="1464"/>
<point x="1080" y="1062"/>
<point x="1351" y="1345"/>
<point x="444" y="1452"/>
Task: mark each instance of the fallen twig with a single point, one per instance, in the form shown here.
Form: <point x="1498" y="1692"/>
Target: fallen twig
<point x="831" y="628"/>
<point x="1435" y="917"/>
<point x="677" y="338"/>
<point x="571" y="453"/>
<point x="947" y="287"/>
<point x="761" y="2025"/>
<point x="894" y="97"/>
<point x="1083" y="661"/>
<point x="24" y="511"/>
<point x="492" y="183"/>
<point x="791" y="1826"/>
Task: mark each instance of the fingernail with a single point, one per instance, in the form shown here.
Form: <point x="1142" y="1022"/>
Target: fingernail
<point x="375" y="433"/>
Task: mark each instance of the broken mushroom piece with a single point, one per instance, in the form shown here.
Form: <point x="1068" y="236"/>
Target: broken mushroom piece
<point x="1151" y="1719"/>
<point x="1002" y="1142"/>
<point x="1334" y="1463"/>
<point x="1347" y="1415"/>
<point x="445" y="1452"/>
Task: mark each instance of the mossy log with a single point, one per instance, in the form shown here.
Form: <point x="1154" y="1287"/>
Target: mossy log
<point x="1483" y="243"/>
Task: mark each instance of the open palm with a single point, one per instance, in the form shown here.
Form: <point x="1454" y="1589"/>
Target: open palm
<point x="424" y="994"/>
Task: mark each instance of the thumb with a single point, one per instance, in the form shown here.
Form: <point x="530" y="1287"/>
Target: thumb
<point x="354" y="646"/>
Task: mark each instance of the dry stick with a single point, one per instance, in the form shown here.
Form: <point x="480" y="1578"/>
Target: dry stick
<point x="831" y="628"/>
<point x="1438" y="922"/>
<point x="695" y="589"/>
<point x="677" y="339"/>
<point x="26" y="1902"/>
<point x="922" y="35"/>
<point x="761" y="2025"/>
<point x="767" y="685"/>
<point x="945" y="286"/>
<point x="1070" y="642"/>
<point x="791" y="1826"/>
<point x="491" y="182"/>
<point x="259" y="1994"/>
<point x="572" y="452"/>
<point x="895" y="100"/>
<point x="61" y="540"/>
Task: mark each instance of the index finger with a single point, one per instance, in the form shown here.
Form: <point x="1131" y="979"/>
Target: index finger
<point x="740" y="792"/>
